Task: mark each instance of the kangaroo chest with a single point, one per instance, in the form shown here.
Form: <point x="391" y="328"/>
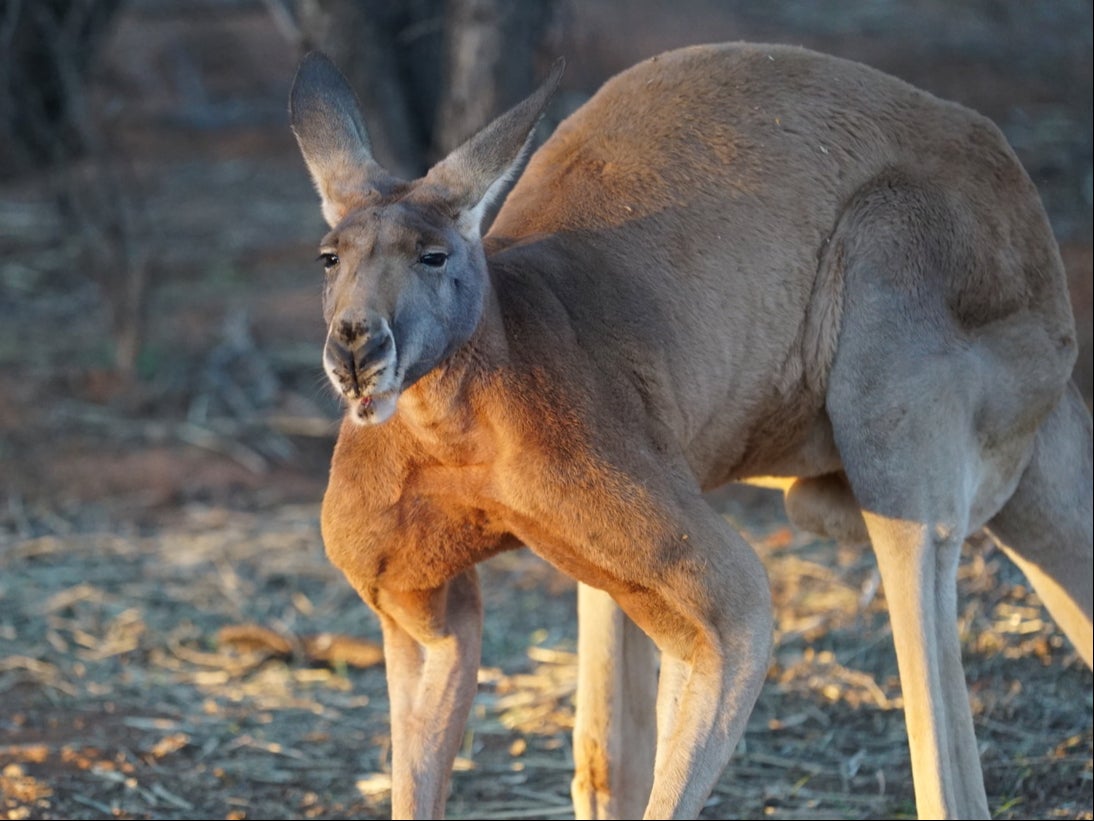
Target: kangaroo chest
<point x="414" y="535"/>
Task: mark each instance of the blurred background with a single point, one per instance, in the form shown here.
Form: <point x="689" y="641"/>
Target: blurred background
<point x="165" y="425"/>
<point x="157" y="291"/>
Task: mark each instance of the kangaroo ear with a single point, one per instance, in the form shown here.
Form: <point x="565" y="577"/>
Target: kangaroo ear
<point x="475" y="173"/>
<point x="326" y="120"/>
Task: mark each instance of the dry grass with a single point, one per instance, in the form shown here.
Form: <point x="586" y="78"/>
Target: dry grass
<point x="187" y="672"/>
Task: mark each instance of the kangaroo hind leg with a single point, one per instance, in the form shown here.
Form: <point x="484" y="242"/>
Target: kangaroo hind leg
<point x="1046" y="526"/>
<point x="909" y="394"/>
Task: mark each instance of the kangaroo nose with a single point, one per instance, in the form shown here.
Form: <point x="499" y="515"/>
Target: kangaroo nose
<point x="366" y="338"/>
<point x="356" y="353"/>
<point x="350" y="332"/>
<point x="374" y="349"/>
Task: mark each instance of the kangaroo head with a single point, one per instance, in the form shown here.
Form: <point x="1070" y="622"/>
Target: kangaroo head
<point x="405" y="274"/>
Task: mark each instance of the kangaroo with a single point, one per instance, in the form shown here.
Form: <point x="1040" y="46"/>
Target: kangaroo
<point x="735" y="261"/>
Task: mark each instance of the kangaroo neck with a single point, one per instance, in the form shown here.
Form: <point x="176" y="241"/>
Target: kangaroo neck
<point x="442" y="409"/>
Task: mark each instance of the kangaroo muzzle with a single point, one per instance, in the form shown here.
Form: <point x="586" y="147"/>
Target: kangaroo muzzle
<point x="359" y="357"/>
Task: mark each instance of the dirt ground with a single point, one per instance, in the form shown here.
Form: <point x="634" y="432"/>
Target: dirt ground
<point x="173" y="642"/>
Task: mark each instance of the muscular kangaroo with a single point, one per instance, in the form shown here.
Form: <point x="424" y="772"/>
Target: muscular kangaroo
<point x="734" y="261"/>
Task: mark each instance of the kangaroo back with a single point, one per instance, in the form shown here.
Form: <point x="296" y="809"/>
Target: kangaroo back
<point x="728" y="185"/>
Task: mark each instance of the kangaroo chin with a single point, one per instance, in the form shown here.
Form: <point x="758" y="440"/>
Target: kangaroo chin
<point x="373" y="409"/>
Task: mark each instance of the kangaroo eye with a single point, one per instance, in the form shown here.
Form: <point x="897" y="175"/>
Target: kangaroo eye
<point x="433" y="259"/>
<point x="328" y="259"/>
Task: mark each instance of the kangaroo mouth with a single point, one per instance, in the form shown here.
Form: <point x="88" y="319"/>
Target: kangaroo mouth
<point x="374" y="408"/>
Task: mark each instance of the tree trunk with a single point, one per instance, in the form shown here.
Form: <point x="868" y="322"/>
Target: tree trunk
<point x="429" y="73"/>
